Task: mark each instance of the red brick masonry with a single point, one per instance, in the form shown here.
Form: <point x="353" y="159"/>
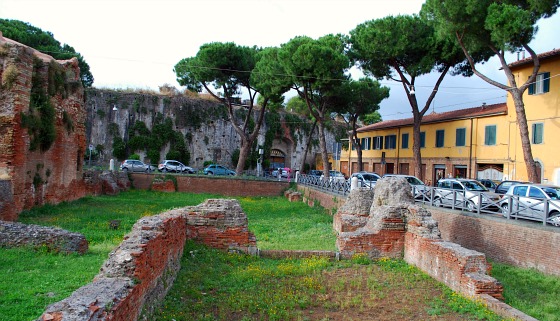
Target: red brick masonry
<point x="141" y="270"/>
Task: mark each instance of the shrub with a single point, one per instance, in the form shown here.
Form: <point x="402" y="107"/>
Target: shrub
<point x="9" y="76"/>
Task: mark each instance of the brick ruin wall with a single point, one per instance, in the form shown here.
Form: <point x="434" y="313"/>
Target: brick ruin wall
<point x="208" y="184"/>
<point x="29" y="178"/>
<point x="141" y="270"/>
<point x="508" y="242"/>
<point x="388" y="224"/>
<point x="13" y="234"/>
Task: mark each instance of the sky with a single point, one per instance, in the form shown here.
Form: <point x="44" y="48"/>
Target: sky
<point x="136" y="43"/>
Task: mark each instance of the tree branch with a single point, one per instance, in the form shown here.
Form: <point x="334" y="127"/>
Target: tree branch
<point x="473" y="67"/>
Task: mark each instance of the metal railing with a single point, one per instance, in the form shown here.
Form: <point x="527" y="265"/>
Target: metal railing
<point x="337" y="186"/>
<point x="473" y="201"/>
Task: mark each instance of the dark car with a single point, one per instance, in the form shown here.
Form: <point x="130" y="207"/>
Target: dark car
<point x="489" y="184"/>
<point x="503" y="187"/>
<point x="315" y="172"/>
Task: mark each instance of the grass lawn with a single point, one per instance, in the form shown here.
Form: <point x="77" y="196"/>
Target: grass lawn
<point x="34" y="278"/>
<point x="214" y="285"/>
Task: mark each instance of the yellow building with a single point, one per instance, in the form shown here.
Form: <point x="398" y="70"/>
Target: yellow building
<point x="479" y="142"/>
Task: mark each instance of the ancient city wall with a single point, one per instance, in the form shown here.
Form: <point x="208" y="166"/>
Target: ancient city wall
<point x="141" y="270"/>
<point x="42" y="129"/>
<point x="204" y="124"/>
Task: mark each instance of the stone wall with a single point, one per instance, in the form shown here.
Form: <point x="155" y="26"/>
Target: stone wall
<point x="228" y="186"/>
<point x="389" y="224"/>
<point x="510" y="242"/>
<point x="13" y="234"/>
<point x="203" y="123"/>
<point x="312" y="197"/>
<point x="40" y="156"/>
<point x="141" y="270"/>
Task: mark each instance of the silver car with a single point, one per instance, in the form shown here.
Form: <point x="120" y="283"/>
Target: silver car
<point x="534" y="202"/>
<point x="175" y="166"/>
<point x="133" y="165"/>
<point x="465" y="193"/>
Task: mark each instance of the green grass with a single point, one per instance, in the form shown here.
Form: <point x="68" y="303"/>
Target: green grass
<point x="282" y="225"/>
<point x="35" y="278"/>
<point x="31" y="280"/>
<point x="214" y="285"/>
<point x="530" y="291"/>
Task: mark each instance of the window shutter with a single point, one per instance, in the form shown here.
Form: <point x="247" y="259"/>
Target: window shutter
<point x="546" y="82"/>
<point x="532" y="88"/>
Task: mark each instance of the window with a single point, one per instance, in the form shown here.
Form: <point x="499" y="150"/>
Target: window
<point x="460" y="136"/>
<point x="422" y="139"/>
<point x="440" y="135"/>
<point x="541" y="84"/>
<point x="536" y="193"/>
<point x="537" y="133"/>
<point x="404" y="143"/>
<point x="365" y="143"/>
<point x="378" y="142"/>
<point x="390" y="141"/>
<point x="490" y="135"/>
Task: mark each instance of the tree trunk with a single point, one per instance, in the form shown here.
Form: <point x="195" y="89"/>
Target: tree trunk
<point x="416" y="147"/>
<point x="243" y="152"/>
<point x="524" y="133"/>
<point x="323" y="146"/>
<point x="307" y="146"/>
<point x="357" y="145"/>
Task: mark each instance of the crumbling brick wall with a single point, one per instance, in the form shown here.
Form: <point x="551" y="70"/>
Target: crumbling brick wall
<point x="39" y="163"/>
<point x="141" y="270"/>
<point x="388" y="224"/>
<point x="13" y="234"/>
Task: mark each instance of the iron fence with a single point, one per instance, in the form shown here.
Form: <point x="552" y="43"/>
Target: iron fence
<point x="541" y="210"/>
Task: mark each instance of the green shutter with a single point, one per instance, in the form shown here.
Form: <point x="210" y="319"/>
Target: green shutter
<point x="532" y="88"/>
<point x="546" y="80"/>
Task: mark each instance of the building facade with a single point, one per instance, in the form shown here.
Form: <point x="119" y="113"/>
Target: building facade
<point x="478" y="142"/>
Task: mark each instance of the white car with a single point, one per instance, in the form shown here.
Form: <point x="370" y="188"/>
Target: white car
<point x="134" y="165"/>
<point x="175" y="166"/>
<point x="465" y="193"/>
<point x="529" y="201"/>
<point x="365" y="179"/>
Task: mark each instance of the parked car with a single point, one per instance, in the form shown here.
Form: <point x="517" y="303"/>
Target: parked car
<point x="215" y="169"/>
<point x="365" y="179"/>
<point x="419" y="189"/>
<point x="336" y="176"/>
<point x="134" y="165"/>
<point x="315" y="172"/>
<point x="529" y="201"/>
<point x="489" y="184"/>
<point x="175" y="166"/>
<point x="284" y="172"/>
<point x="465" y="193"/>
<point x="504" y="186"/>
